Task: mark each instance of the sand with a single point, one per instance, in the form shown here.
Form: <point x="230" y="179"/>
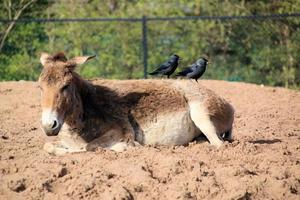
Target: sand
<point x="263" y="161"/>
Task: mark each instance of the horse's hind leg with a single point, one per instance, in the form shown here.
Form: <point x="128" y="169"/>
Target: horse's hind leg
<point x="116" y="139"/>
<point x="202" y="121"/>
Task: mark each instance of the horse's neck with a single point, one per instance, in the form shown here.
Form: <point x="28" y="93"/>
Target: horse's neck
<point x="82" y="119"/>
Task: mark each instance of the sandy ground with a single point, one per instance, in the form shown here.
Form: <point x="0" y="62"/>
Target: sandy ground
<point x="263" y="162"/>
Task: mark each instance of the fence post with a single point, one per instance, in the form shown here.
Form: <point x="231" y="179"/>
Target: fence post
<point x="145" y="45"/>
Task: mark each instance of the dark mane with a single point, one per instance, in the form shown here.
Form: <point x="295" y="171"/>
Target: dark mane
<point x="99" y="101"/>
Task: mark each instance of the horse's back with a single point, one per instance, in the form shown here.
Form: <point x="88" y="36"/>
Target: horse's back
<point x="160" y="109"/>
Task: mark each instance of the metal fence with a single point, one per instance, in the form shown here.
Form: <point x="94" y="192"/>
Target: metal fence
<point x="145" y="25"/>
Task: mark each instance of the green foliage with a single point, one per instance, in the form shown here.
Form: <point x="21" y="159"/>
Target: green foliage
<point x="257" y="51"/>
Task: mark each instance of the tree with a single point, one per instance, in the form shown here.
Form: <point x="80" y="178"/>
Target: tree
<point x="10" y="10"/>
<point x="258" y="51"/>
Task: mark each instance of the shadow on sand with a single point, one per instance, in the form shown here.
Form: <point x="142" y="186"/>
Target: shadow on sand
<point x="265" y="141"/>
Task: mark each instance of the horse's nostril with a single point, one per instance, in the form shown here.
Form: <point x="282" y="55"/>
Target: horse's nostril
<point x="54" y="124"/>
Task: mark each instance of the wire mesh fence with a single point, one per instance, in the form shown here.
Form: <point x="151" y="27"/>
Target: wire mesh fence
<point x="262" y="49"/>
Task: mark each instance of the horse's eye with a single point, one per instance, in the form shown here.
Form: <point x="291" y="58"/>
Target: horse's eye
<point x="64" y="88"/>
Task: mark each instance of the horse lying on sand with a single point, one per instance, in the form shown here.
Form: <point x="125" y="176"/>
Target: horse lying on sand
<point x="117" y="114"/>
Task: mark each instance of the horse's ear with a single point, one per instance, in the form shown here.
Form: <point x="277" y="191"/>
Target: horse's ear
<point x="80" y="60"/>
<point x="45" y="57"/>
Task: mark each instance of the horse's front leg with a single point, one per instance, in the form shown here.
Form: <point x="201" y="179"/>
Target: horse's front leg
<point x="60" y="148"/>
<point x="68" y="142"/>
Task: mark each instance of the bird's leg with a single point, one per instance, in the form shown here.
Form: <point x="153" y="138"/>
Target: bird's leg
<point x="196" y="80"/>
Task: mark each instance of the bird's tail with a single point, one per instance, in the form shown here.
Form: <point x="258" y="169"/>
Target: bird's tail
<point x="180" y="74"/>
<point x="153" y="73"/>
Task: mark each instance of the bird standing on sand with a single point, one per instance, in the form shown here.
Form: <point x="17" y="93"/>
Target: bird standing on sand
<point x="168" y="67"/>
<point x="196" y="70"/>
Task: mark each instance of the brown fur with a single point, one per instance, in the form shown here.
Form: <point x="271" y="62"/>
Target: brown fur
<point x="118" y="109"/>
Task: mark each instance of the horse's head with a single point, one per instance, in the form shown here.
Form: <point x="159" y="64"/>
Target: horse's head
<point x="58" y="90"/>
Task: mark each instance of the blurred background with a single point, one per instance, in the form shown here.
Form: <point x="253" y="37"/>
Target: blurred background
<point x="260" y="44"/>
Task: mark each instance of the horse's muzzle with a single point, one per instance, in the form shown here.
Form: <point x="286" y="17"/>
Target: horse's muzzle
<point x="50" y="123"/>
<point x="51" y="132"/>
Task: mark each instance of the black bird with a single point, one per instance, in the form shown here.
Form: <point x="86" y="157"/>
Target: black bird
<point x="168" y="67"/>
<point x="195" y="71"/>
